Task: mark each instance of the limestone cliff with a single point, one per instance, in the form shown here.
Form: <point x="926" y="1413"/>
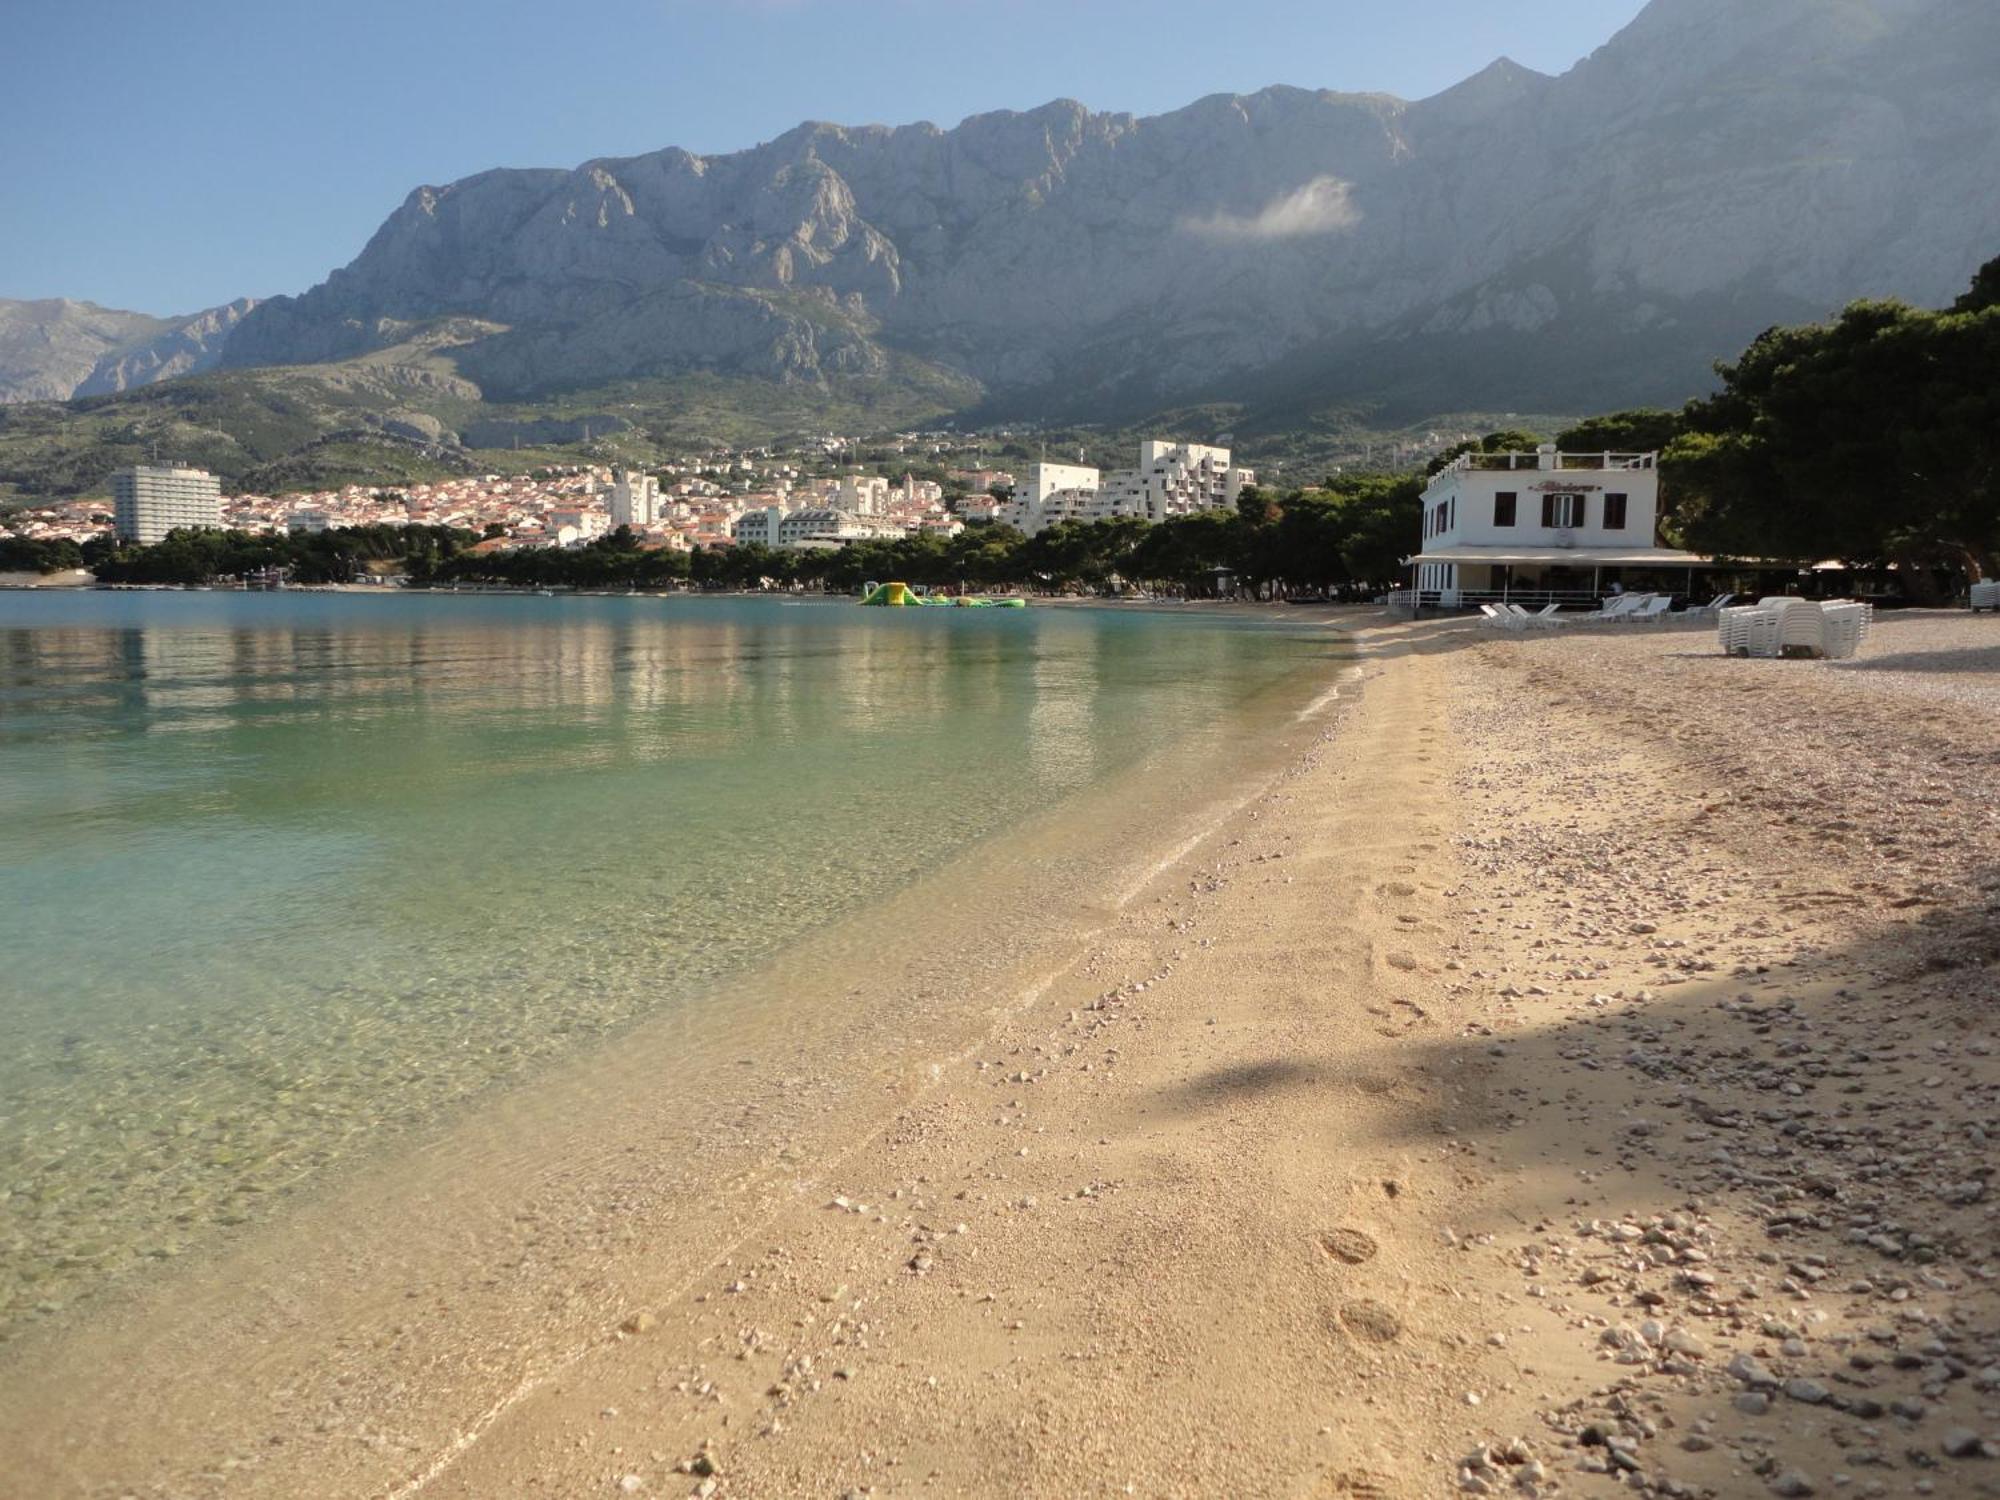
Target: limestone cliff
<point x="53" y="349"/>
<point x="1519" y="241"/>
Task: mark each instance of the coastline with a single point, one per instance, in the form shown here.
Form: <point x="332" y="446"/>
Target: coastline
<point x="1564" y="1062"/>
<point x="405" y="1296"/>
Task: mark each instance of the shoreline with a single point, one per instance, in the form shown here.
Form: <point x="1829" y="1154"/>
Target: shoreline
<point x="1569" y="1063"/>
<point x="523" y="1182"/>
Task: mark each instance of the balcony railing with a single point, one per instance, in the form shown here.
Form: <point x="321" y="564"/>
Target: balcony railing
<point x="1546" y="461"/>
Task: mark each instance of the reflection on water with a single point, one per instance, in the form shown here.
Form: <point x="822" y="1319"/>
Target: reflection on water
<point x="283" y="872"/>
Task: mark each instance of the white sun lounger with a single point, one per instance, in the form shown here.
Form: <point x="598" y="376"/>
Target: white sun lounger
<point x="1847" y="626"/>
<point x="1546" y="615"/>
<point x="1750" y="630"/>
<point x="1617" y="608"/>
<point x="1801" y="627"/>
<point x="1655" y="608"/>
<point x="1986" y="596"/>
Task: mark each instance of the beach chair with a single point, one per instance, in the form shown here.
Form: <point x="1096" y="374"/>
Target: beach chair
<point x="1497" y="614"/>
<point x="1615" y="608"/>
<point x="1655" y="608"/>
<point x="1801" y="628"/>
<point x="1986" y="596"/>
<point x="1847" y="626"/>
<point x="1751" y="630"/>
<point x="1713" y="607"/>
<point x="1522" y="616"/>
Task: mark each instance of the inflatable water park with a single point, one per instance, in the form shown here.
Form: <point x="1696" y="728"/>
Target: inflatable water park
<point x="902" y="596"/>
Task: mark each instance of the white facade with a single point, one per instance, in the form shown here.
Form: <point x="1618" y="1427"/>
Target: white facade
<point x="1545" y="519"/>
<point x="635" y="500"/>
<point x="579" y="525"/>
<point x="862" y="495"/>
<point x="149" y="502"/>
<point x="1173" y="479"/>
<point x="1044" y="480"/>
<point x="307" y="522"/>
<point x="774" y="526"/>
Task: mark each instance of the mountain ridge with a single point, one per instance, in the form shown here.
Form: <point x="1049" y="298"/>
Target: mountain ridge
<point x="1517" y="240"/>
<point x="57" y="348"/>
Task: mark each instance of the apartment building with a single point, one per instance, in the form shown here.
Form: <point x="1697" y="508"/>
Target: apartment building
<point x="147" y="502"/>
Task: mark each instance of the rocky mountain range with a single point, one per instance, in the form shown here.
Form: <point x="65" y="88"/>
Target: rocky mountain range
<point x="54" y="349"/>
<point x="1518" y="242"/>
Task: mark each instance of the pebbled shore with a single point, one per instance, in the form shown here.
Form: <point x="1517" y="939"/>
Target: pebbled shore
<point x="1574" y="1074"/>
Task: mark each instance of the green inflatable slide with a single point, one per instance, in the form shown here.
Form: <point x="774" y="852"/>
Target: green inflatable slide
<point x="902" y="596"/>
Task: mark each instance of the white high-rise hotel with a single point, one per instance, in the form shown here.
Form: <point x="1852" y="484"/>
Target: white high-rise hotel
<point x="635" y="499"/>
<point x="1173" y="479"/>
<point x="148" y="502"/>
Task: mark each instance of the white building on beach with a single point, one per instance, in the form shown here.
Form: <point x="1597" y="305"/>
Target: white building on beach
<point x="1546" y="523"/>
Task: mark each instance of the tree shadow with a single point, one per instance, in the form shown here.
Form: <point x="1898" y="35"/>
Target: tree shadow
<point x="1800" y="1174"/>
<point x="1981" y="659"/>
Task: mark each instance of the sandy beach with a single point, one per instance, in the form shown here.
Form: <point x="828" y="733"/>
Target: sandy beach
<point x="1570" y="1065"/>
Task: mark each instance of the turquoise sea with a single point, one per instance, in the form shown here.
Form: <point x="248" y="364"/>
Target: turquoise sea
<point x="287" y="880"/>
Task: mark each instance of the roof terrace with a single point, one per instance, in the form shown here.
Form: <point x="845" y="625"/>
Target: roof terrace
<point x="1544" y="460"/>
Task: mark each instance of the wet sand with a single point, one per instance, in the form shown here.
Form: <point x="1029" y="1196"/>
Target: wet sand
<point x="1569" y="1066"/>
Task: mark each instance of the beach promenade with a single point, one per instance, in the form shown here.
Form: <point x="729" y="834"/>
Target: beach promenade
<point x="1573" y="1072"/>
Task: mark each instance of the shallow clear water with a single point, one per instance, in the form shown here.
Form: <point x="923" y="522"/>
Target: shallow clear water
<point x="283" y="875"/>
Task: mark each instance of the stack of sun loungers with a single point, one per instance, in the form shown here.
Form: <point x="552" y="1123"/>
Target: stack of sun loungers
<point x="1795" y="627"/>
<point x="1986" y="596"/>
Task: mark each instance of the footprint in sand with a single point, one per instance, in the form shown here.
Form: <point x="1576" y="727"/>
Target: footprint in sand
<point x="1357" y="1484"/>
<point x="1349" y="1245"/>
<point x="1371" y="1322"/>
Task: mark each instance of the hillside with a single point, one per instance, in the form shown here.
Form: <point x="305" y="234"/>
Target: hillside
<point x="402" y="414"/>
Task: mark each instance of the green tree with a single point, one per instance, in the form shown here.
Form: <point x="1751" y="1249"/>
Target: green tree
<point x="1873" y="439"/>
<point x="1641" y="431"/>
<point x="1508" y="440"/>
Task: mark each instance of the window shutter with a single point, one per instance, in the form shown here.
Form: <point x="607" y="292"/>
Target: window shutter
<point x="1548" y="511"/>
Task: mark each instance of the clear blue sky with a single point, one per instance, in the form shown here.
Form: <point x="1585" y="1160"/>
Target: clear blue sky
<point x="167" y="155"/>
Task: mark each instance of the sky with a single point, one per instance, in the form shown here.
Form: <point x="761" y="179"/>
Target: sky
<point x="169" y="155"/>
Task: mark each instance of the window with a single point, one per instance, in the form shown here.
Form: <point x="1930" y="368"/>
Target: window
<point x="1504" y="505"/>
<point x="1614" y="512"/>
<point x="1562" y="511"/>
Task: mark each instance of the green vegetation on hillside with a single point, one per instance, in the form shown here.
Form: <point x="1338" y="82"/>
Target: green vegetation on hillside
<point x="394" y="418"/>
